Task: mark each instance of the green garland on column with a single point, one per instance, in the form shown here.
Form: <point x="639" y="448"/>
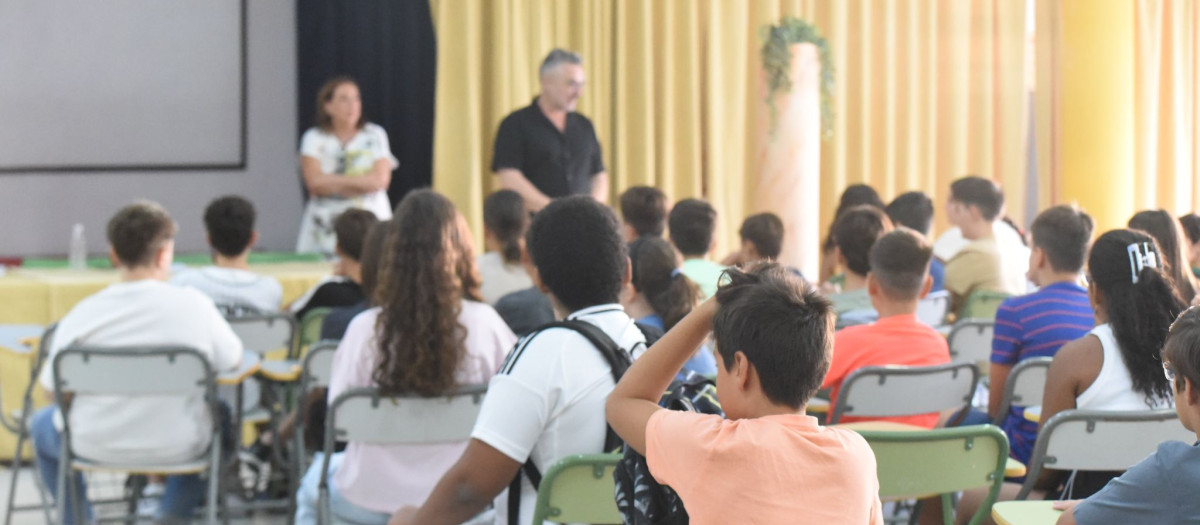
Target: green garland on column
<point x="777" y="61"/>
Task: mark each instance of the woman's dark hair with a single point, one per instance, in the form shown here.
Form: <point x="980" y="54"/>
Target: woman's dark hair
<point x="853" y="195"/>
<point x="322" y="119"/>
<point x="427" y="270"/>
<point x="1140" y="313"/>
<point x="1182" y="349"/>
<point x="504" y="215"/>
<point x="657" y="277"/>
<point x="1166" y="230"/>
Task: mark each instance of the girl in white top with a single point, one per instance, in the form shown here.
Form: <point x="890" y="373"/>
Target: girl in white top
<point x="504" y="223"/>
<point x="429" y="335"/>
<point x="347" y="162"/>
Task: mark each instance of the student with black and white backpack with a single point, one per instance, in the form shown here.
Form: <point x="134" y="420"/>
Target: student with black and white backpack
<point x="547" y="402"/>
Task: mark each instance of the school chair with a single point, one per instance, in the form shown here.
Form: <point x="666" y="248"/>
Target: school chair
<point x="19" y="425"/>
<point x="1024" y="386"/>
<point x="941" y="462"/>
<point x="578" y="489"/>
<point x="136" y="372"/>
<point x="934" y="308"/>
<point x="309" y="330"/>
<point x="1101" y="440"/>
<point x="982" y="304"/>
<point x="970" y="341"/>
<point x="364" y="415"/>
<point x="886" y="391"/>
<point x="314" y="374"/>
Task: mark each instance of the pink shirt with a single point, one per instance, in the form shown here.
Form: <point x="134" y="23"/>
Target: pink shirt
<point x="775" y="469"/>
<point x="384" y="478"/>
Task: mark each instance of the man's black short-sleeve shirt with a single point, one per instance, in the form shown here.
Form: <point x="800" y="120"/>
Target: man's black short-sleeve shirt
<point x="557" y="163"/>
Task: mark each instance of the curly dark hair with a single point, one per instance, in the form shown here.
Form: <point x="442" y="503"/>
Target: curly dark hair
<point x="576" y="245"/>
<point x="427" y="270"/>
<point x="1140" y="313"/>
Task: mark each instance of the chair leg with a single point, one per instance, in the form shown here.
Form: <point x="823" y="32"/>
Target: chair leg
<point x="214" y="479"/>
<point x="64" y="461"/>
<point x="39" y="482"/>
<point x="948" y="509"/>
<point x="16" y="469"/>
<point x="296" y="465"/>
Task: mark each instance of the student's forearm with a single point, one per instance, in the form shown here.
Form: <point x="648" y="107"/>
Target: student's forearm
<point x="513" y="179"/>
<point x="453" y="501"/>
<point x="600" y="187"/>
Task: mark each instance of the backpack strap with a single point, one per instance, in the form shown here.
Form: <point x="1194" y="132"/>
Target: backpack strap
<point x="618" y="361"/>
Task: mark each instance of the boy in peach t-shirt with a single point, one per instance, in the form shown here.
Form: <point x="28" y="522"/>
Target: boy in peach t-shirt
<point x="768" y="462"/>
<point x="899" y="278"/>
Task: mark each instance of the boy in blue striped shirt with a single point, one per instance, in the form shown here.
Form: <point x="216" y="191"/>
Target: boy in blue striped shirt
<point x="1037" y="324"/>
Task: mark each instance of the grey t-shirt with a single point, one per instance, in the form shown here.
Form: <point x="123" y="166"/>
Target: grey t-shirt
<point x="1160" y="489"/>
<point x="525" y="310"/>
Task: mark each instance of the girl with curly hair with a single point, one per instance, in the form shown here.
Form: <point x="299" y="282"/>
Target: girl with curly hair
<point x="430" y="334"/>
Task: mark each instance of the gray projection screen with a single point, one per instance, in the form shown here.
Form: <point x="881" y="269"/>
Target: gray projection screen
<point x="122" y="85"/>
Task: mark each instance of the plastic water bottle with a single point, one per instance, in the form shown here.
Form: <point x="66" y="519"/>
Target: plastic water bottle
<point x="77" y="256"/>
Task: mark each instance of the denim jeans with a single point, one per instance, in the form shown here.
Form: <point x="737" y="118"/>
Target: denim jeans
<point x="308" y="497"/>
<point x="180" y="498"/>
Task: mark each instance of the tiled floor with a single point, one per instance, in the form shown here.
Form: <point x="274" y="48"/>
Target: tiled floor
<point x="27" y="493"/>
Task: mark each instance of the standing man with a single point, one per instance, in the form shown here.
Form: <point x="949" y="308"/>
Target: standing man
<point x="547" y="150"/>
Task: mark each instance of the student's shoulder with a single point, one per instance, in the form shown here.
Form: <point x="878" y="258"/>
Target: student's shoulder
<point x="475" y="314"/>
<point x="1177" y="460"/>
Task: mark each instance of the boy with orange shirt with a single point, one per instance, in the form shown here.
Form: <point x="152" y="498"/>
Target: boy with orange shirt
<point x="773" y="337"/>
<point x="898" y="279"/>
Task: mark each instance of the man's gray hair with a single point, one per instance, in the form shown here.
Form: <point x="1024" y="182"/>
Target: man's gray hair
<point x="559" y="56"/>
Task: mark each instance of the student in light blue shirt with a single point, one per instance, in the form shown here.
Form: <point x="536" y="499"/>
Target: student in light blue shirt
<point x="659" y="295"/>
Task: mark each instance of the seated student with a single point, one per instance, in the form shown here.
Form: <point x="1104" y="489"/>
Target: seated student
<point x="1173" y="245"/>
<point x="898" y="279"/>
<point x="1117" y="365"/>
<point x="643" y="212"/>
<point x="768" y="462"/>
<point x="526" y="310"/>
<point x="547" y="402"/>
<point x="693" y="223"/>
<point x="1162" y="488"/>
<point x="974" y="205"/>
<point x="1036" y="325"/>
<point x="140" y="310"/>
<point x="1191" y="229"/>
<point x="914" y="210"/>
<point x="659" y="295"/>
<point x="343" y="288"/>
<point x="853" y="195"/>
<point x="229" y="282"/>
<point x="430" y="313"/>
<point x="762" y="240"/>
<point x="504" y="224"/>
<point x="333" y="327"/>
<point x="854" y="233"/>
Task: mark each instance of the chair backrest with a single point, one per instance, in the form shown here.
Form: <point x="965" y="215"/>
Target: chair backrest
<point x="982" y="304"/>
<point x="1101" y="440"/>
<point x="363" y="415"/>
<point x="1024" y="386"/>
<point x="310" y="329"/>
<point x="578" y="489"/>
<point x="262" y="333"/>
<point x="941" y="461"/>
<point x="933" y="309"/>
<point x="970" y="340"/>
<point x="885" y="391"/>
<point x="318" y="366"/>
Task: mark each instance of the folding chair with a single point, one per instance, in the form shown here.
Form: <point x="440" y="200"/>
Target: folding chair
<point x="886" y="391"/>
<point x="135" y="372"/>
<point x="578" y="489"/>
<point x="309" y="331"/>
<point x="982" y="304"/>
<point x="1100" y="440"/>
<point x="933" y="309"/>
<point x="913" y="465"/>
<point x="19" y="425"/>
<point x="1024" y="386"/>
<point x="314" y="374"/>
<point x="363" y="415"/>
<point x="970" y="341"/>
<point x="266" y="333"/>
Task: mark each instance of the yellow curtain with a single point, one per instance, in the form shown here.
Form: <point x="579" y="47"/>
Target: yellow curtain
<point x="926" y="91"/>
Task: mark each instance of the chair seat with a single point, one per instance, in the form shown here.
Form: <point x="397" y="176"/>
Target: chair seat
<point x="190" y="467"/>
<point x="286" y="371"/>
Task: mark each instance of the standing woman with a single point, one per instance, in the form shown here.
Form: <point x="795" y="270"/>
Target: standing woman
<point x="347" y="163"/>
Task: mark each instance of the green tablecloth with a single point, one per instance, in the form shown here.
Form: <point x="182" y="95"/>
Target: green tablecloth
<point x="191" y="259"/>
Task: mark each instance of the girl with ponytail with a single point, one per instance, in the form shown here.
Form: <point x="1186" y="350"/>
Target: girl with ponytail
<point x="504" y="223"/>
<point x="660" y="295"/>
<point x="1117" y="365"/>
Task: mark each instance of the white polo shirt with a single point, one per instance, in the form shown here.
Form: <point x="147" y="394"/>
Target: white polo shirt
<point x="547" y="402"/>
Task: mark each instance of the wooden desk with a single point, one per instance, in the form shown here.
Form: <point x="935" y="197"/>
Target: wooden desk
<point x="1025" y="513"/>
<point x="1034" y="413"/>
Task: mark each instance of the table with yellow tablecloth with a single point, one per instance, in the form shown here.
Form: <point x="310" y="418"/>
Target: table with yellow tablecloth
<point x="40" y="296"/>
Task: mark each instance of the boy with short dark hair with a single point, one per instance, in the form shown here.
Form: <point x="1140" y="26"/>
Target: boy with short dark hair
<point x="914" y="210"/>
<point x="1162" y="488"/>
<point x="229" y="221"/>
<point x="773" y="336"/>
<point x="854" y="233"/>
<point x="974" y="205"/>
<point x="643" y="212"/>
<point x="1037" y="324"/>
<point x="898" y="279"/>
<point x="344" y="287"/>
<point x="693" y="225"/>
<point x="547" y="402"/>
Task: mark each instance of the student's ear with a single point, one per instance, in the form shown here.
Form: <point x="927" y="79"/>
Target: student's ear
<point x="1095" y="296"/>
<point x="253" y="239"/>
<point x="837" y="256"/>
<point x="928" y="286"/>
<point x="112" y="258"/>
<point x="165" y="255"/>
<point x="627" y="279"/>
<point x="628" y="231"/>
<point x="742" y="370"/>
<point x="873" y="288"/>
<point x="1190" y="392"/>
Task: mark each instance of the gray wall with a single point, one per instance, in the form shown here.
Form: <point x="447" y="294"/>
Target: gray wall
<point x="38" y="209"/>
